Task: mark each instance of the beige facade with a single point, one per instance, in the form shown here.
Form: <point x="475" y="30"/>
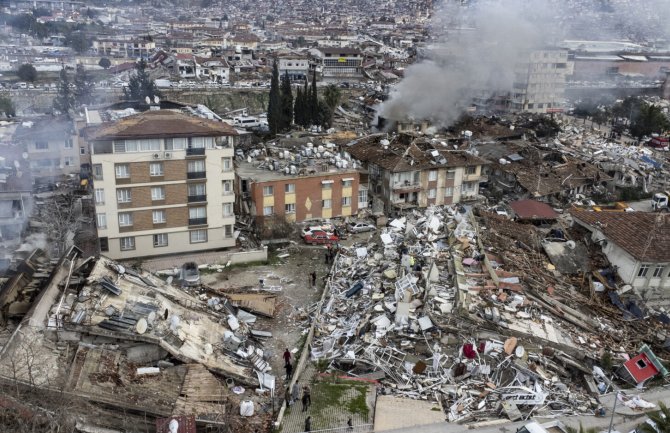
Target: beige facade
<point x="174" y="196"/>
<point x="539" y="84"/>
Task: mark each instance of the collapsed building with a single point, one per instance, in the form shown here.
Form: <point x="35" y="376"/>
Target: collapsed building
<point x="487" y="316"/>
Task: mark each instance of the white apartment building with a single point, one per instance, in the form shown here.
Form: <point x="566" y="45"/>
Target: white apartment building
<point x="539" y="84"/>
<point x="163" y="184"/>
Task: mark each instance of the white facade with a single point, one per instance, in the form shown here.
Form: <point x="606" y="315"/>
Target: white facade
<point x="539" y="84"/>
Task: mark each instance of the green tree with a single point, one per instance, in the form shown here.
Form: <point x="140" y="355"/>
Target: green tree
<point x="64" y="102"/>
<point x="274" y="103"/>
<point x="78" y="41"/>
<point x="7" y="106"/>
<point x="27" y="72"/>
<point x="140" y="85"/>
<point x="648" y="120"/>
<point x="286" y="104"/>
<point x="331" y="96"/>
<point x="105" y="63"/>
<point x="314" y="102"/>
<point x="83" y="87"/>
<point x="661" y="418"/>
<point x="299" y="108"/>
<point x="306" y="105"/>
<point x="324" y="114"/>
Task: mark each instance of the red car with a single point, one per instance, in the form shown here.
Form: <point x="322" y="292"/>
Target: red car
<point x="320" y="237"/>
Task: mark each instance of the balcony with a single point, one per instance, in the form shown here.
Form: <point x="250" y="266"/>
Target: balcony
<point x="196" y="175"/>
<point x="197" y="221"/>
<point x="197" y="198"/>
<point x="406" y="187"/>
<point x="195" y="151"/>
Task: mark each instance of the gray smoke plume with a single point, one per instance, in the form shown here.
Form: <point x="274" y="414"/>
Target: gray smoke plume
<point x="478" y="44"/>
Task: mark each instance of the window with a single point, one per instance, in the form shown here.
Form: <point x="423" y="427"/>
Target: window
<point x="643" y="271"/>
<point x="104" y="244"/>
<point x="227" y="187"/>
<point x="289" y="188"/>
<point x="156" y="169"/>
<point x="127" y="243"/>
<point x="451" y="174"/>
<point x="157" y="193"/>
<point x="122" y="170"/>
<point x="641" y="364"/>
<point x="41" y="145"/>
<point x="467" y="187"/>
<point x="82" y="151"/>
<point x="101" y="219"/>
<point x="449" y="191"/>
<point x="346" y="183"/>
<point x="160" y="240"/>
<point x="145" y="145"/>
<point x="432" y="175"/>
<point x="197" y="212"/>
<point x="197" y="166"/>
<point x="326" y="184"/>
<point x="327" y="204"/>
<point x="268" y="210"/>
<point x="346" y="201"/>
<point x="198" y="236"/>
<point x="159" y="216"/>
<point x="432" y="193"/>
<point x="176" y="143"/>
<point x="228" y="231"/>
<point x="99" y="196"/>
<point x="658" y="271"/>
<point x="97" y="171"/>
<point x="123" y="195"/>
<point x="362" y="198"/>
<point x="471" y="169"/>
<point x="125" y="219"/>
<point x="68" y="161"/>
<point x="289" y="208"/>
<point x="227" y="209"/>
<point x="268" y="190"/>
<point x="226" y="164"/>
<point x="68" y="143"/>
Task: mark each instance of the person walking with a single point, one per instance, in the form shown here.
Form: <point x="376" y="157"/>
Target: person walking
<point x="350" y="424"/>
<point x="287" y="357"/>
<point x="287" y="396"/>
<point x="289" y="371"/>
<point x="308" y="424"/>
<point x="306" y="398"/>
<point x="295" y="392"/>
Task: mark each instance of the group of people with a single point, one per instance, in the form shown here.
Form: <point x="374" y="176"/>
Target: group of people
<point x="293" y="393"/>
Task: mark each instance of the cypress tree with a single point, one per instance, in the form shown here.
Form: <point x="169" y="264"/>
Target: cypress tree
<point x="298" y="116"/>
<point x="306" y="105"/>
<point x="314" y="103"/>
<point x="286" y="104"/>
<point x="274" y="104"/>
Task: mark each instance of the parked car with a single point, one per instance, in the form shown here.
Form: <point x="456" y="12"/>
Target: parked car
<point x="361" y="227"/>
<point x="320" y="237"/>
<point x="328" y="228"/>
<point x="190" y="274"/>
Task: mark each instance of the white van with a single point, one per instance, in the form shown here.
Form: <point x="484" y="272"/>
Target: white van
<point x="247" y="122"/>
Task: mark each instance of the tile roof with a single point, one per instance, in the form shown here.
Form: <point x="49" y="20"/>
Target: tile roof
<point x="531" y="209"/>
<point x="644" y="235"/>
<point x="162" y="123"/>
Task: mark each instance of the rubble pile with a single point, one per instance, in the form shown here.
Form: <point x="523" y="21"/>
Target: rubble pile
<point x="420" y="311"/>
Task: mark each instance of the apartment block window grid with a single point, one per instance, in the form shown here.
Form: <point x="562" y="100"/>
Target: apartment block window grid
<point x="159" y="216"/>
<point x="227" y="186"/>
<point x="432" y="175"/>
<point x="227" y="209"/>
<point x="125" y="219"/>
<point x="160" y="240"/>
<point x="327" y="203"/>
<point x="289" y="188"/>
<point x="198" y="236"/>
<point x="346" y="201"/>
<point x="124" y="195"/>
<point x="289" y="208"/>
<point x="99" y="196"/>
<point x="157" y="193"/>
<point x="268" y="210"/>
<point x="268" y="191"/>
<point x="101" y="220"/>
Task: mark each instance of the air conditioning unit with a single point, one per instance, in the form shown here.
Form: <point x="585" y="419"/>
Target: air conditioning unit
<point x="167" y="155"/>
<point x="156" y="156"/>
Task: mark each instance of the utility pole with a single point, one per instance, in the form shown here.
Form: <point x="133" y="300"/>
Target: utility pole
<point x="616" y="397"/>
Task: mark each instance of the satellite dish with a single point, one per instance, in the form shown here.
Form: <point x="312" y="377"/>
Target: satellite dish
<point x="24" y="155"/>
<point x="141" y="326"/>
<point x="151" y="317"/>
<point x="156" y="99"/>
<point x="520" y="351"/>
<point x="110" y="311"/>
<point x="17" y="164"/>
<point x="148" y="100"/>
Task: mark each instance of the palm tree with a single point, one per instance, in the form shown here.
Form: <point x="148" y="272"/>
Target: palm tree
<point x="660" y="418"/>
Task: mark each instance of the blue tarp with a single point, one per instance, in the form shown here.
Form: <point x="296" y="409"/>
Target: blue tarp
<point x="651" y="161"/>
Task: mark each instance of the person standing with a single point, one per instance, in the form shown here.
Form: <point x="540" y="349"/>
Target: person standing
<point x="289" y="371"/>
<point x="313" y="275"/>
<point x="287" y="396"/>
<point x="295" y="392"/>
<point x="287" y="357"/>
<point x="306" y="398"/>
<point x="308" y="424"/>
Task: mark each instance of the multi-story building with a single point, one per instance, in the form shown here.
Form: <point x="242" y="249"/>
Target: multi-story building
<point x="53" y="148"/>
<point x="163" y="184"/>
<point x="336" y="63"/>
<point x="293" y="65"/>
<point x="539" y="83"/>
<point x="406" y="172"/>
<point x="123" y="47"/>
<point x="300" y="196"/>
